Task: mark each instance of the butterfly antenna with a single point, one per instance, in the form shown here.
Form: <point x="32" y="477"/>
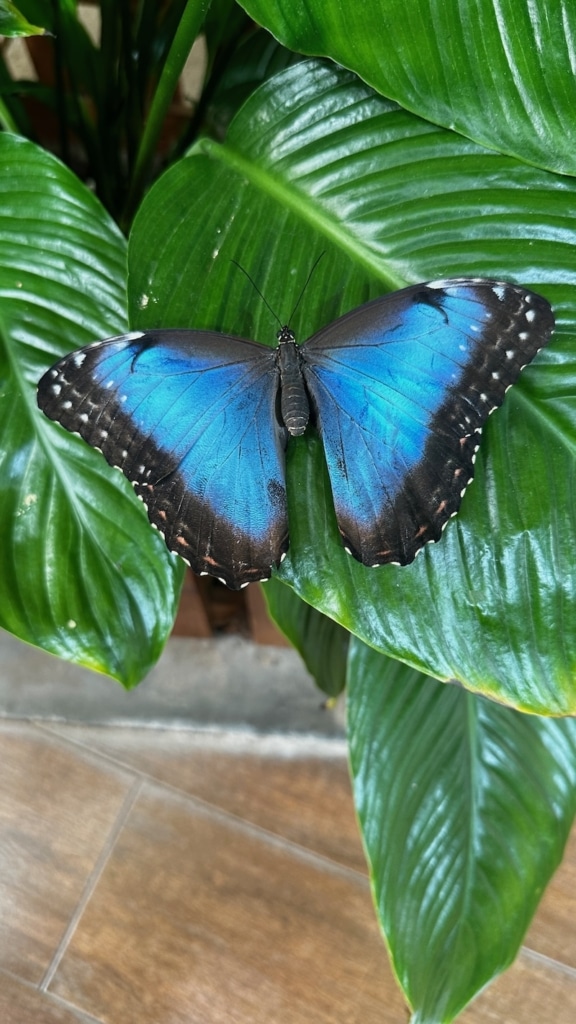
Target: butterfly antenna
<point x="256" y="289"/>
<point x="306" y="283"/>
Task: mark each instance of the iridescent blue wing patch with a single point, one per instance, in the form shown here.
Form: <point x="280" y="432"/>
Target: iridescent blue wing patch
<point x="401" y="389"/>
<point x="190" y="418"/>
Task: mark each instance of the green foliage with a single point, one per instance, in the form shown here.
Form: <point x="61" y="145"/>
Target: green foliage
<point x="13" y="23"/>
<point x="263" y="198"/>
<point x="499" y="73"/>
<point x="446" y="163"/>
<point x="111" y="100"/>
<point x="321" y="642"/>
<point x="468" y="784"/>
<point x="82" y="575"/>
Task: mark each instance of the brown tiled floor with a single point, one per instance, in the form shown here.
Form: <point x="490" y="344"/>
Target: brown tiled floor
<point x="152" y="877"/>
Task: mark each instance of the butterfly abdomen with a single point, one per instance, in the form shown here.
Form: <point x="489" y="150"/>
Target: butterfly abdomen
<point x="294" y="404"/>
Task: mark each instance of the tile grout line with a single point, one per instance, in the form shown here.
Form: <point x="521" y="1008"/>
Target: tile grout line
<point x="64" y="1004"/>
<point x="91" y="883"/>
<point x="205" y="807"/>
<point x="82" y="1016"/>
<point x="549" y="961"/>
<point x="318" y="860"/>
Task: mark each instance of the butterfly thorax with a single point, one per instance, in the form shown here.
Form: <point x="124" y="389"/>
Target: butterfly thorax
<point x="294" y="405"/>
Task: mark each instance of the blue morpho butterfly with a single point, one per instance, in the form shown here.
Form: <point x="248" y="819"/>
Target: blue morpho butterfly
<point x="398" y="389"/>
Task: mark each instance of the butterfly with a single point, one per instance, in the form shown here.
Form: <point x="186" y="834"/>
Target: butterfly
<point x="398" y="389"/>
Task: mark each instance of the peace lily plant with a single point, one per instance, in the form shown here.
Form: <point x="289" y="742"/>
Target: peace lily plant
<point x="409" y="140"/>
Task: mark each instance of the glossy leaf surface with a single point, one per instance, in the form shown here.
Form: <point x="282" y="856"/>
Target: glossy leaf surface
<point x="500" y="72"/>
<point x="316" y="162"/>
<point x="465" y="807"/>
<point x="321" y="642"/>
<point x="82" y="575"/>
<point x="13" y="23"/>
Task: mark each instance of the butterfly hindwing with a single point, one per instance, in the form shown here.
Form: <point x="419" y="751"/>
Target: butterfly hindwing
<point x="190" y="418"/>
<point x="401" y="389"/>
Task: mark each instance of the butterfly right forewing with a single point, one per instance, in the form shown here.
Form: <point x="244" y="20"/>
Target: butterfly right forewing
<point x="401" y="389"/>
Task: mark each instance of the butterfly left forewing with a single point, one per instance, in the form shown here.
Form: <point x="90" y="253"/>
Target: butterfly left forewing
<point x="401" y="389"/>
<point x="190" y="418"/>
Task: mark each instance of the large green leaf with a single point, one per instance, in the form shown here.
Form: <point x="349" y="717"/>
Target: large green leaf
<point x="321" y="642"/>
<point x="465" y="807"/>
<point x="81" y="573"/>
<point x="502" y="73"/>
<point x="316" y="162"/>
<point x="257" y="58"/>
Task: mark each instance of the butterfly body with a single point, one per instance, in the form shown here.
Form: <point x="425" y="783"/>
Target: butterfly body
<point x="294" y="403"/>
<point x="398" y="389"/>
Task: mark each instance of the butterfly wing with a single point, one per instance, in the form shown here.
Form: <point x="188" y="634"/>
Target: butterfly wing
<point x="190" y="418"/>
<point x="401" y="389"/>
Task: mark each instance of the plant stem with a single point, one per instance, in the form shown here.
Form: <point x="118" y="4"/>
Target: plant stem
<point x="59" y="64"/>
<point x="189" y="27"/>
<point x="7" y="122"/>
